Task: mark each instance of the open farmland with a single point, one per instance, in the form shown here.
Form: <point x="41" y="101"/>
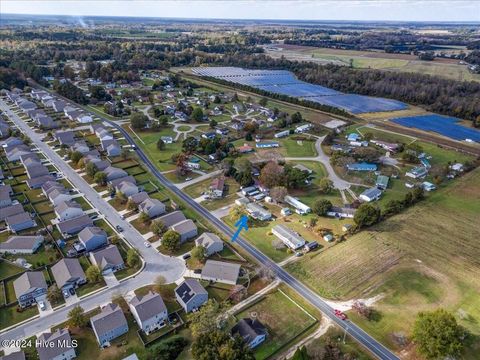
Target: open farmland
<point x="424" y="258"/>
<point x="448" y="68"/>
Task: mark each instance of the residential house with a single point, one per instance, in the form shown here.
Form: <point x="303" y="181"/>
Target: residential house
<point x="13" y="153"/>
<point x="258" y="212"/>
<point x="428" y="186"/>
<point x="19" y="222"/>
<point x="282" y="134"/>
<point x="81" y="146"/>
<point x="211" y="242"/>
<point x="362" y="167"/>
<point x="5" y="193"/>
<point x="114" y="173"/>
<point x="92" y="237"/>
<point x="30" y="286"/>
<point x="59" y="195"/>
<point x="58" y="105"/>
<point x="149" y="311"/>
<point x="152" y="207"/>
<point x="303" y="128"/>
<point x="126" y="187"/>
<point x="138" y="197"/>
<point x="21" y="244"/>
<point x="66" y="138"/>
<point x="245" y="149"/>
<point x="68" y="210"/>
<point x="341" y="212"/>
<point x="17" y="355"/>
<point x="11" y="142"/>
<point x="49" y="186"/>
<point x="190" y="294"/>
<point x="37" y="182"/>
<point x="108" y="259"/>
<point x="220" y="271"/>
<point x="382" y="182"/>
<point x="171" y="218"/>
<point x="167" y="139"/>
<point x="109" y="324"/>
<point x="74" y="226"/>
<point x="84" y="119"/>
<point x="216" y="187"/>
<point x="417" y="172"/>
<point x="10" y="211"/>
<point x="251" y="331"/>
<point x="371" y="194"/>
<point x="68" y="274"/>
<point x="55" y="346"/>
<point x="267" y="145"/>
<point x="300" y="208"/>
<point x="186" y="228"/>
<point x="289" y="237"/>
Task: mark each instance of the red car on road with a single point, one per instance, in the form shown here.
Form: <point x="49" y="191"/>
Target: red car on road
<point x="340" y="314"/>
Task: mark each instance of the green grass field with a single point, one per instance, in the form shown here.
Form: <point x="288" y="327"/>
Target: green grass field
<point x="149" y="144"/>
<point x="424" y="258"/>
<point x="284" y="319"/>
<point x="7" y="269"/>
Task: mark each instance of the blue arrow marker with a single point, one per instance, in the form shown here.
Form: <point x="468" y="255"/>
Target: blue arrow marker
<point x="241" y="224"/>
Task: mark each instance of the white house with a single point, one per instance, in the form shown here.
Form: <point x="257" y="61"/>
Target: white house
<point x="149" y="311"/>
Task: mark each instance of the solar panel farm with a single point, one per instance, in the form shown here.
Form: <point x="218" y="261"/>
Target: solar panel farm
<point x="285" y="83"/>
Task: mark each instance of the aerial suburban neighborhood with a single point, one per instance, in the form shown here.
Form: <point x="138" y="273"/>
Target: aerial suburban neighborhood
<point x="208" y="186"/>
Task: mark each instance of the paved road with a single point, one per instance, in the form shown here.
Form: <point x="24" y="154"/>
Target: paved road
<point x="321" y="157"/>
<point x="361" y="336"/>
<point x="377" y="349"/>
<point x="170" y="268"/>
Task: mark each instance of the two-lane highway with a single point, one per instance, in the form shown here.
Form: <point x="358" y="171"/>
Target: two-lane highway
<point x="361" y="336"/>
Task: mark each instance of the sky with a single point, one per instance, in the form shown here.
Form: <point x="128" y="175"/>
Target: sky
<point x="392" y="10"/>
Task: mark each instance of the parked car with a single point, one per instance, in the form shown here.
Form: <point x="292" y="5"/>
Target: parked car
<point x="186" y="256"/>
<point x="147" y="244"/>
<point x="42" y="305"/>
<point x="119" y="228"/>
<point x="72" y="291"/>
<point x="66" y="294"/>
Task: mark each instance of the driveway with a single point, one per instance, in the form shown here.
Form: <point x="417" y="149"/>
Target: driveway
<point x="110" y="280"/>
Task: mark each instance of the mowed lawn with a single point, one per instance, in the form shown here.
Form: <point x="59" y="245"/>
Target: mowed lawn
<point x="284" y="319"/>
<point x="160" y="158"/>
<point x="424" y="258"/>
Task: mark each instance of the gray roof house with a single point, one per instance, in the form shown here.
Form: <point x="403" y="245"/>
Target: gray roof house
<point x="5" y="192"/>
<point x="19" y="222"/>
<point x="35" y="168"/>
<point x="109" y="324"/>
<point x="172" y="218"/>
<point x="152" y="207"/>
<point x="59" y="195"/>
<point x="68" y="273"/>
<point x="17" y="355"/>
<point x="81" y="146"/>
<point x="371" y="194"/>
<point x="149" y="311"/>
<point x="21" y="244"/>
<point x="220" y="271"/>
<point x="289" y="237"/>
<point x="211" y="242"/>
<point x="99" y="163"/>
<point x="49" y="186"/>
<point x="10" y="211"/>
<point x="37" y="182"/>
<point x="126" y="187"/>
<point x="29" y="286"/>
<point x="58" y="105"/>
<point x="46" y="123"/>
<point x="108" y="259"/>
<point x="111" y="146"/>
<point x="114" y="173"/>
<point x="11" y="142"/>
<point x="13" y="153"/>
<point x="68" y="210"/>
<point x="190" y="294"/>
<point x="56" y="346"/>
<point x="75" y="225"/>
<point x="139" y="197"/>
<point x="186" y="228"/>
<point x="92" y="238"/>
<point x="65" y="137"/>
<point x="251" y="331"/>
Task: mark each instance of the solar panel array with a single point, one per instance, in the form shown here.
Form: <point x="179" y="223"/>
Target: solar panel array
<point x="444" y="125"/>
<point x="285" y="83"/>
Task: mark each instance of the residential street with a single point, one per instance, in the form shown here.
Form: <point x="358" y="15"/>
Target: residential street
<point x="157" y="264"/>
